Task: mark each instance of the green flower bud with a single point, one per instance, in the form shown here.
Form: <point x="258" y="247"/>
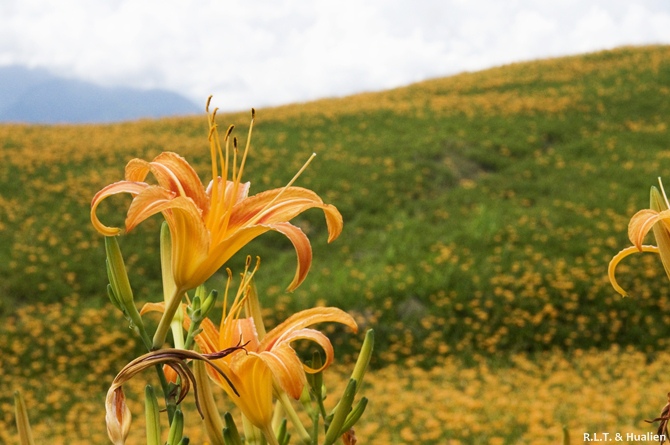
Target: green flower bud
<point x="176" y="429"/>
<point x="364" y="358"/>
<point x="121" y="292"/>
<point x="112" y="296"/>
<point x="316" y="380"/>
<point x="231" y="435"/>
<point x="354" y="416"/>
<point x="152" y="416"/>
<point x="283" y="436"/>
<point x="208" y="304"/>
<point x="118" y="276"/>
<point x="340" y="413"/>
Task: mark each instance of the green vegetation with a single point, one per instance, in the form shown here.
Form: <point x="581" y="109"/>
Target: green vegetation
<point x="480" y="210"/>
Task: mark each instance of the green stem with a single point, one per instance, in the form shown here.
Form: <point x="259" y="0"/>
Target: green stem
<point x="277" y="417"/>
<point x="282" y="397"/>
<point x="270" y="436"/>
<point x="315" y="428"/>
<point x="143" y="334"/>
<point x="170" y="401"/>
<point x="158" y="340"/>
<point x="252" y="434"/>
<point x="166" y="319"/>
<point x="190" y="336"/>
<point x="178" y="332"/>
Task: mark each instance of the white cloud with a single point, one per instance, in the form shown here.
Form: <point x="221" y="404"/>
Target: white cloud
<point x="271" y="52"/>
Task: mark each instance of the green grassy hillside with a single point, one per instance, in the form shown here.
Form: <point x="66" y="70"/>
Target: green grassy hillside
<point x="480" y="210"/>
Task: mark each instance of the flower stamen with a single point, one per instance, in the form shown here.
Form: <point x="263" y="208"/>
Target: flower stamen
<point x="665" y="197"/>
<point x="290" y="183"/>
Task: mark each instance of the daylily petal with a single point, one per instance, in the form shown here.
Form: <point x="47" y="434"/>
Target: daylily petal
<point x="617" y="259"/>
<point x="657" y="199"/>
<point x="656" y="218"/>
<point x="281" y="205"/>
<point x="306" y="318"/>
<point x="641" y="223"/>
<point x="303" y="250"/>
<point x="312" y="335"/>
<point x="223" y="251"/>
<point x="173" y="173"/>
<point x="133" y="188"/>
<point x="153" y="307"/>
<point x="190" y="244"/>
<point x="137" y="170"/>
<point x="220" y="253"/>
<point x="287" y="369"/>
<point x="256" y="394"/>
<point x="208" y="339"/>
<point x="153" y="199"/>
<point x="278" y="358"/>
<point x="252" y="379"/>
<point x="229" y="194"/>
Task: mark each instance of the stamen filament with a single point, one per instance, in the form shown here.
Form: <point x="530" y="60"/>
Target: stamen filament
<point x="213" y="143"/>
<point x="225" y="297"/>
<point x="248" y="144"/>
<point x="237" y="176"/>
<point x="660" y="183"/>
<point x="233" y="313"/>
<point x="234" y="176"/>
<point x="260" y="214"/>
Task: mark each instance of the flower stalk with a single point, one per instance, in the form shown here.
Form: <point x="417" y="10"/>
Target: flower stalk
<point x="213" y="424"/>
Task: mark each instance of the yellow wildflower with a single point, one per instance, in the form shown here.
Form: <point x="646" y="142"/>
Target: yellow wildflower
<point x="656" y="218"/>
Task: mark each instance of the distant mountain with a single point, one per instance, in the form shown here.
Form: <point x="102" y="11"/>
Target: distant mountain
<point x="37" y="96"/>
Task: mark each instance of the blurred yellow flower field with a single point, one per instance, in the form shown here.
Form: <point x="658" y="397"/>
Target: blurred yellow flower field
<point x="488" y="204"/>
<point x="522" y="399"/>
<point x="480" y="212"/>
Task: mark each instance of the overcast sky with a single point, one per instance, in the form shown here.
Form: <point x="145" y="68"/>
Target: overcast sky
<point x="264" y="52"/>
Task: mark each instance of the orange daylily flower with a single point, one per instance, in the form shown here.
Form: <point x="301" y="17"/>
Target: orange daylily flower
<point x="275" y="348"/>
<point x="209" y="225"/>
<point x="273" y="353"/>
<point x="263" y="361"/>
<point x="656" y="218"/>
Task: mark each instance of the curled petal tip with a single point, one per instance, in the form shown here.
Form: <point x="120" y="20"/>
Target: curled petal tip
<point x="617" y="259"/>
<point x="108" y="231"/>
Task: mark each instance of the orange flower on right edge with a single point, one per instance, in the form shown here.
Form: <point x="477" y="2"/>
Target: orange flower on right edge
<point x="656" y="218"/>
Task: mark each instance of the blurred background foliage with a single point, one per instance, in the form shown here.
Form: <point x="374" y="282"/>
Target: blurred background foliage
<point x="481" y="211"/>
